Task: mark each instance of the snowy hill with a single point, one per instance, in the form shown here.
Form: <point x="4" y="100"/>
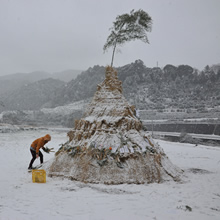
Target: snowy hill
<point x="59" y="116"/>
<point x="66" y="75"/>
<point x="12" y="82"/>
<point x="161" y="93"/>
<point x="32" y="96"/>
<point x="156" y="88"/>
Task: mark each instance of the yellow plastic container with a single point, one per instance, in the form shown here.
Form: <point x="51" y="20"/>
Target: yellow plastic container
<point x="39" y="176"/>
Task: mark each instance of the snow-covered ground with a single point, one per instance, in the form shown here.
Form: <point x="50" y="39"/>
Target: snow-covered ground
<point x="66" y="109"/>
<point x="196" y="197"/>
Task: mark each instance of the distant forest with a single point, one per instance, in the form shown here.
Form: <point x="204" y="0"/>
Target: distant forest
<point x="152" y="88"/>
<point x="182" y="90"/>
<point x="177" y="87"/>
<point x="180" y="87"/>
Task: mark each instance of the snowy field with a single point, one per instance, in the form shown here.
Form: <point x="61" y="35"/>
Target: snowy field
<point x="196" y="197"/>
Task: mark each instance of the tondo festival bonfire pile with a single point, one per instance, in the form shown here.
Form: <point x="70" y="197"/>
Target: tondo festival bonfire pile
<point x="108" y="145"/>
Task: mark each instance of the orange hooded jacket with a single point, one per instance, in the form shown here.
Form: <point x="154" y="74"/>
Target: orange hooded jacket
<point x="40" y="142"/>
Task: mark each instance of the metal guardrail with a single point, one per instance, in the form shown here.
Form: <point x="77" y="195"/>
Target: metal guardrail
<point x="194" y="128"/>
<point x="197" y="136"/>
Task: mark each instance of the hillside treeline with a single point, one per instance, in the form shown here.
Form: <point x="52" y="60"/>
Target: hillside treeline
<point x="148" y="88"/>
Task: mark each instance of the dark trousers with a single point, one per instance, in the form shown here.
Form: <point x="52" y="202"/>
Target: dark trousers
<point x="34" y="157"/>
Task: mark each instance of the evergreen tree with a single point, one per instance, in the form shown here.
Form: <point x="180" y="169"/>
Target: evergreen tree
<point x="218" y="74"/>
<point x="129" y="27"/>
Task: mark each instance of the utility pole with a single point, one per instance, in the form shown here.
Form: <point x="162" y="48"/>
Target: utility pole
<point x="152" y="128"/>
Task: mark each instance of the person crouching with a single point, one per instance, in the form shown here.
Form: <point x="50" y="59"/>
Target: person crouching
<point x="35" y="149"/>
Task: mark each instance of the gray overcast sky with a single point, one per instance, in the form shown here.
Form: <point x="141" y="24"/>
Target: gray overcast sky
<point x="55" y="35"/>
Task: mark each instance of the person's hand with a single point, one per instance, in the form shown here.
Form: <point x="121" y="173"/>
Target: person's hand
<point x="37" y="155"/>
